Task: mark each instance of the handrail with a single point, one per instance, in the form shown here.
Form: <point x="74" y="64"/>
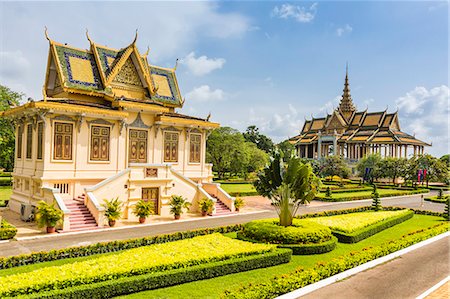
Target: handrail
<point x="91" y="197"/>
<point x="108" y="180"/>
<point x="59" y="201"/>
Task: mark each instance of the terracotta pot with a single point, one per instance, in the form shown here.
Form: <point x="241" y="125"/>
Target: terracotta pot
<point x="51" y="229"/>
<point x="142" y="219"/>
<point x="177" y="216"/>
<point x="111" y="223"/>
<point x="236" y="209"/>
<point x="204" y="213"/>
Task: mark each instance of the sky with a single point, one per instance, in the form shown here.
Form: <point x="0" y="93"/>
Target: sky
<point x="269" y="64"/>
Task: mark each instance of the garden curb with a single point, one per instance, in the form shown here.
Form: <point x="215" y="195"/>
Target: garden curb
<point x="340" y="276"/>
<point x="433" y="288"/>
<point x="127" y="227"/>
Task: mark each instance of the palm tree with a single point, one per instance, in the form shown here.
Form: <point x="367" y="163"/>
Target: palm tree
<point x="287" y="185"/>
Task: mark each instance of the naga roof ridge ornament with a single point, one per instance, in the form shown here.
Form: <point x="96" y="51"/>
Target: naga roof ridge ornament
<point x="176" y="65"/>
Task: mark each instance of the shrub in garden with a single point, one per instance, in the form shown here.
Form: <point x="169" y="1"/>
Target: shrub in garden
<point x="447" y="210"/>
<point x="7" y="231"/>
<point x="177" y="205"/>
<point x="376" y="203"/>
<point x="328" y="192"/>
<point x="238" y="203"/>
<point x="113" y="210"/>
<point x="440" y="193"/>
<point x="143" y="209"/>
<point x="48" y="216"/>
<point x="205" y="205"/>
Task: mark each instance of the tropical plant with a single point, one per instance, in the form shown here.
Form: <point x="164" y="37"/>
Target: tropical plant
<point x="376" y="203"/>
<point x="238" y="203"/>
<point x="177" y="205"/>
<point x="47" y="215"/>
<point x="113" y="210"/>
<point x="205" y="205"/>
<point x="287" y="185"/>
<point x="143" y="209"/>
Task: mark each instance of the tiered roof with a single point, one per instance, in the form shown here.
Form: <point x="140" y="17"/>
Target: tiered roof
<point x="355" y="126"/>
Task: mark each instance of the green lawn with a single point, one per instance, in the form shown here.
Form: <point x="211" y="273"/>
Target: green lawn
<point x="235" y="189"/>
<point x="213" y="288"/>
<point x="5" y="193"/>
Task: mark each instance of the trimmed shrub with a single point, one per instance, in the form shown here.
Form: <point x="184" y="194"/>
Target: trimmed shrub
<point x="105" y="247"/>
<point x="371" y="230"/>
<point x="299" y="278"/>
<point x="369" y="196"/>
<point x="7" y="231"/>
<point x="436" y="199"/>
<point x="123" y="286"/>
<point x="300" y="232"/>
<point x="447" y="209"/>
<point x="376" y="202"/>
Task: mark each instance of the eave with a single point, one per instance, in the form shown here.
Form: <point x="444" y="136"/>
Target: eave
<point x="170" y="120"/>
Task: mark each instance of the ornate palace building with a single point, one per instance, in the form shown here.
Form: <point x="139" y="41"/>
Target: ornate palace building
<point x="354" y="134"/>
<point x="107" y="127"/>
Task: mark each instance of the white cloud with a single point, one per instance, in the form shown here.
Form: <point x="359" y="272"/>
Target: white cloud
<point x="299" y="13"/>
<point x="329" y="106"/>
<point x="202" y="65"/>
<point x="204" y="93"/>
<point x="425" y="113"/>
<point x="347" y="29"/>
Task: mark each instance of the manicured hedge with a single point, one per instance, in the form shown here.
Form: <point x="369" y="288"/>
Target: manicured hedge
<point x="445" y="188"/>
<point x="7" y="231"/>
<point x="371" y="230"/>
<point x="299" y="278"/>
<point x="111" y="288"/>
<point x="350" y="190"/>
<point x="104" y="247"/>
<point x="237" y="194"/>
<point x="435" y="199"/>
<point x="369" y="196"/>
<point x="300" y="232"/>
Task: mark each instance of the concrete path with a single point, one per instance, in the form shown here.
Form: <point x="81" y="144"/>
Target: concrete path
<point x="406" y="277"/>
<point x="69" y="240"/>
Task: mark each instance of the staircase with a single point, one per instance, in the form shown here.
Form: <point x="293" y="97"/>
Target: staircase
<point x="221" y="208"/>
<point x="80" y="218"/>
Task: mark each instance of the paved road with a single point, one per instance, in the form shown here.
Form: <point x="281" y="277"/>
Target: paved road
<point x="405" y="277"/>
<point x="69" y="240"/>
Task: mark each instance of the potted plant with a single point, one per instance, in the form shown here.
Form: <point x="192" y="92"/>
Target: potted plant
<point x="238" y="203"/>
<point x="177" y="204"/>
<point x="113" y="210"/>
<point x="205" y="205"/>
<point x="143" y="209"/>
<point x="47" y="215"/>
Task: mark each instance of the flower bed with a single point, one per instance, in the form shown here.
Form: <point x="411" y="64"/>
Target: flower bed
<point x="303" y="237"/>
<point x="299" y="278"/>
<point x="7" y="231"/>
<point x="137" y="261"/>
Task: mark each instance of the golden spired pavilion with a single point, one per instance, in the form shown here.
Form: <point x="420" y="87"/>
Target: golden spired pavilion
<point x="355" y="134"/>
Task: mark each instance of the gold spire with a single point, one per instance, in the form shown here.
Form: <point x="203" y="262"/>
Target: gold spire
<point x="346" y="105"/>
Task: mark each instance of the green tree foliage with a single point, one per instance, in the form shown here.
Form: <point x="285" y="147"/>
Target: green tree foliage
<point x="376" y="203"/>
<point x="334" y="165"/>
<point x="373" y="162"/>
<point x="7" y="135"/>
<point x="392" y="168"/>
<point x="230" y="153"/>
<point x="445" y="159"/>
<point x="263" y="142"/>
<point x="287" y="148"/>
<point x="437" y="170"/>
<point x="287" y="185"/>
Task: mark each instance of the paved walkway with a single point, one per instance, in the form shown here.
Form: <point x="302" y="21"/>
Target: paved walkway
<point x="406" y="277"/>
<point x="59" y="241"/>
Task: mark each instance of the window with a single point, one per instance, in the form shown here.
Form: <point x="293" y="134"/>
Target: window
<point x="170" y="147"/>
<point x="29" y="141"/>
<point x="195" y="148"/>
<point x="137" y="152"/>
<point x="63" y="141"/>
<point x="19" y="142"/>
<point x="100" y="143"/>
<point x="40" y="141"/>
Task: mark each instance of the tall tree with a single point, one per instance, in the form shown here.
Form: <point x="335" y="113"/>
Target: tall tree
<point x="393" y="167"/>
<point x="334" y="166"/>
<point x="287" y="185"/>
<point x="287" y="148"/>
<point x="8" y="98"/>
<point x="371" y="162"/>
<point x="263" y="142"/>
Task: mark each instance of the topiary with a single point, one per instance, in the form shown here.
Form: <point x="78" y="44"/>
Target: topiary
<point x="447" y="210"/>
<point x="328" y="192"/>
<point x="376" y="203"/>
<point x="441" y="193"/>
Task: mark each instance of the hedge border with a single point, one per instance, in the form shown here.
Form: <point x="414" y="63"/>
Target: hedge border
<point x="105" y="247"/>
<point x="369" y="196"/>
<point x="241" y="194"/>
<point x="281" y="284"/>
<point x="7" y="230"/>
<point x="108" y="289"/>
<point x="371" y="230"/>
<point x="301" y="249"/>
<point x="348" y="190"/>
<point x="437" y="200"/>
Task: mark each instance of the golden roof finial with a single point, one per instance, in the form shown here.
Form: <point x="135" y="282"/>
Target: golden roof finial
<point x="176" y="65"/>
<point x="46" y="34"/>
<point x="135" y="38"/>
<point x="88" y="37"/>
<point x="146" y="52"/>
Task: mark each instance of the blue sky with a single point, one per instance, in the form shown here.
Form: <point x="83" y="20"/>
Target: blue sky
<point x="264" y="63"/>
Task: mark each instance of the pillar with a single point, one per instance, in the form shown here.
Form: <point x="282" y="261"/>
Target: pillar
<point x="306" y="150"/>
<point x="406" y="151"/>
<point x="319" y="149"/>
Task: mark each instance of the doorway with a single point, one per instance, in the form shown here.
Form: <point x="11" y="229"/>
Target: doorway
<point x="152" y="195"/>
